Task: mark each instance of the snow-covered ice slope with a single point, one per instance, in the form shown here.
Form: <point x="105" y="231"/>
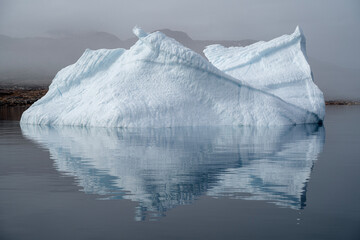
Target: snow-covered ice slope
<point x="159" y="83"/>
<point x="278" y="67"/>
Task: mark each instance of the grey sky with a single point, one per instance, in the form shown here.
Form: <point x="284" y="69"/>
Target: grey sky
<point x="331" y="26"/>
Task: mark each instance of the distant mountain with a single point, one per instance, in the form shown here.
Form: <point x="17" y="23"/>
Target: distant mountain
<point x="35" y="61"/>
<point x="199" y="45"/>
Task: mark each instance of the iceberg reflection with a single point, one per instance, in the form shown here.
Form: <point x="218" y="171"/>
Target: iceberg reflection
<point x="165" y="167"/>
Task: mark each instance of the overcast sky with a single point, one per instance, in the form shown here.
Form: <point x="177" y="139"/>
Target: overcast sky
<point x="332" y="27"/>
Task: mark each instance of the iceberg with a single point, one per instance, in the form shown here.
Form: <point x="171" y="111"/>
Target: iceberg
<point x="160" y="83"/>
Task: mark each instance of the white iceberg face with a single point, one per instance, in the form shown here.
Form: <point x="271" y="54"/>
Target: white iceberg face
<point x="161" y="168"/>
<point x="159" y="83"/>
<point x="278" y="67"/>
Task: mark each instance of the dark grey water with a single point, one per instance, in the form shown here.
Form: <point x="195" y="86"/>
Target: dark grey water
<point x="289" y="182"/>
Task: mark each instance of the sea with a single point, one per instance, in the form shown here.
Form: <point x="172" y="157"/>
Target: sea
<point x="224" y="182"/>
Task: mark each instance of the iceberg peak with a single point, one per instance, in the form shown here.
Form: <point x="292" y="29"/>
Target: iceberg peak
<point x="139" y="32"/>
<point x="278" y="67"/>
<point x="298" y="30"/>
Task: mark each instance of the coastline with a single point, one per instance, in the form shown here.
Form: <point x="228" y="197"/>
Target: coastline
<point x="25" y="96"/>
<point x="341" y="102"/>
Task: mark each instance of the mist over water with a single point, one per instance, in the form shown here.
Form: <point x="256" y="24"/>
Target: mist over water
<point x="39" y="38"/>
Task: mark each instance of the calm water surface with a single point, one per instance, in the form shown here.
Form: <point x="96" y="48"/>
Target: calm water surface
<point x="292" y="182"/>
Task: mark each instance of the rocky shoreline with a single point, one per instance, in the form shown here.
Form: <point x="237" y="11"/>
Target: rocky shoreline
<point x="20" y="96"/>
<point x="342" y="102"/>
<point x="23" y="96"/>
